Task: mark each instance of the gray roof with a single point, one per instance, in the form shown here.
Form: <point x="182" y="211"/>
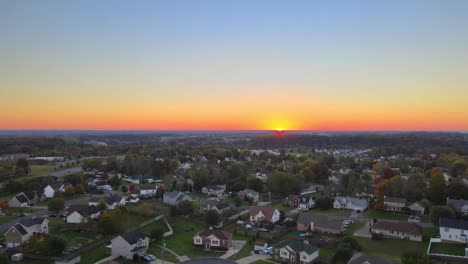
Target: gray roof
<point x="31" y="221"/>
<point x="22" y="198"/>
<point x="457" y="203"/>
<point x="20" y="229"/>
<point x="360" y="258"/>
<point x="109" y="199"/>
<point x="133" y="237"/>
<point x="297" y="246"/>
<point x="453" y="223"/>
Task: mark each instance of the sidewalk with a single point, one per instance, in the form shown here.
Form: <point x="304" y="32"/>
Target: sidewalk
<point x="237" y="245"/>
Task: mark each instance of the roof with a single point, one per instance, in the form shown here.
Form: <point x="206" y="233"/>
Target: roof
<point x="250" y="191"/>
<point x="394" y="200"/>
<point x="220" y="234"/>
<point x="404" y="227"/>
<point x="21" y="198"/>
<point x="297" y="246"/>
<point x="354" y="201"/>
<point x="453" y="223"/>
<point x="360" y="258"/>
<point x="20" y="229"/>
<point x="457" y="203"/>
<point x="268" y="211"/>
<point x="133" y="237"/>
<point x="172" y="195"/>
<point x="216" y="187"/>
<point x="109" y="199"/>
<point x="320" y="221"/>
<point x="218" y="204"/>
<point x="30" y="195"/>
<point x="82" y="209"/>
<point x="31" y="221"/>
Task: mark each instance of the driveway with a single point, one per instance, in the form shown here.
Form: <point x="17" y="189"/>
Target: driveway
<point x="236" y="246"/>
<point x="253" y="258"/>
<point x="363" y="231"/>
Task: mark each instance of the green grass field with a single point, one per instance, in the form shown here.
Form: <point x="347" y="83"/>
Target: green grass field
<point x="388" y="248"/>
<point x="158" y="253"/>
<point x="448" y="249"/>
<point x="337" y="212"/>
<point x="95" y="255"/>
<point x="384" y="215"/>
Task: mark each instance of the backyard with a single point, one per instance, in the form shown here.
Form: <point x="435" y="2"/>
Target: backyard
<point x="448" y="249"/>
<point x="388" y="248"/>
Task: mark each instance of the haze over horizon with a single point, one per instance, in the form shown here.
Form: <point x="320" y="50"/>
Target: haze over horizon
<point x="241" y="65"/>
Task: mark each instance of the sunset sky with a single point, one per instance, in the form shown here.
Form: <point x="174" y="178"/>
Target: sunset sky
<point x="234" y="65"/>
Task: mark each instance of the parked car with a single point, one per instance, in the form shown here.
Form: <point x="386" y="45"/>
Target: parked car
<point x="268" y="250"/>
<point x="149" y="258"/>
<point x="248" y="227"/>
<point x="263" y="229"/>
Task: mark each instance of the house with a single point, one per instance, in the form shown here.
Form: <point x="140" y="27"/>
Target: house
<point x="416" y="208"/>
<point x="145" y="191"/>
<point x="213" y="239"/>
<point x="261" y="176"/>
<point x="459" y="205"/>
<point x="360" y="258"/>
<point x="400" y="230"/>
<point x="264" y="214"/>
<point x="453" y="230"/>
<point x="112" y="201"/>
<point x="350" y="203"/>
<point x="252" y="195"/>
<point x="394" y="204"/>
<point x="306" y="203"/>
<point x="24" y="230"/>
<point x="295" y="252"/>
<point x="129" y="244"/>
<point x="19" y="200"/>
<point x="214" y="190"/>
<point x="216" y="205"/>
<point x="311" y="188"/>
<point x="292" y="200"/>
<point x="174" y="198"/>
<point x="78" y="214"/>
<point x="64" y="186"/>
<point x="318" y="223"/>
<point x="49" y="192"/>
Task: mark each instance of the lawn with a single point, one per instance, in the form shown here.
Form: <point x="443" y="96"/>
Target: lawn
<point x="6" y="218"/>
<point x="377" y="214"/>
<point x="41" y="170"/>
<point x="245" y="251"/>
<point x="388" y="248"/>
<point x="326" y="254"/>
<point x="157" y="251"/>
<point x="260" y="262"/>
<point x="181" y="241"/>
<point x="95" y="255"/>
<point x="448" y="249"/>
<point x="148" y="228"/>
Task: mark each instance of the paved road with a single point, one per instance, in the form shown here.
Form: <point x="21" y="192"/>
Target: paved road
<point x="66" y="172"/>
<point x="42" y="212"/>
<point x="357" y="218"/>
<point x="253" y="258"/>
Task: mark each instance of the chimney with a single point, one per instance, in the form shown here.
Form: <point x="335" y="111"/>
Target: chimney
<point x="306" y="242"/>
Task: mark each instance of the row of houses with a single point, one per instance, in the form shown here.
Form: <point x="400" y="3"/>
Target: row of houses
<point x="31" y="198"/>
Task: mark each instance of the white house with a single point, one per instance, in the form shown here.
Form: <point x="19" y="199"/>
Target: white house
<point x="459" y="205"/>
<point x="49" y="192"/>
<point x="24" y="230"/>
<point x="112" y="201"/>
<point x="214" y="190"/>
<point x="264" y="214"/>
<point x="174" y="198"/>
<point x="129" y="244"/>
<point x="250" y="194"/>
<point x="78" y="214"/>
<point x="350" y="203"/>
<point x="453" y="230"/>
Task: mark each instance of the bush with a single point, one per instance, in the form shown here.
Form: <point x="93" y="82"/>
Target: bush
<point x="56" y="204"/>
<point x="56" y="245"/>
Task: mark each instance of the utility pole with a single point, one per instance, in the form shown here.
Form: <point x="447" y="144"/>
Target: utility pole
<point x="162" y="251"/>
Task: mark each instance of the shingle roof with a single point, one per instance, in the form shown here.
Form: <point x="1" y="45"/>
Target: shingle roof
<point x="457" y="203"/>
<point x="31" y="221"/>
<point x="22" y="198"/>
<point x="297" y="246"/>
<point x="404" y="227"/>
<point x="82" y="209"/>
<point x="453" y="223"/>
<point x="320" y="221"/>
<point x="133" y="237"/>
<point x="20" y="229"/>
<point x="360" y="258"/>
<point x="395" y="200"/>
<point x="220" y="234"/>
<point x="268" y="211"/>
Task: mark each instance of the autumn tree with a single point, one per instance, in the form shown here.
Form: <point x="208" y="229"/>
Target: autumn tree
<point x="283" y="184"/>
<point x="56" y="205"/>
<point x="69" y="190"/>
<point x="437" y="191"/>
<point x="212" y="218"/>
<point x="438" y="211"/>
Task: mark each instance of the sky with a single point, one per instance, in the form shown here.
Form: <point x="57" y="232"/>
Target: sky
<point x="234" y="65"/>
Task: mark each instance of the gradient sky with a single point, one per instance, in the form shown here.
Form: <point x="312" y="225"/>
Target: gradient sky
<point x="316" y="65"/>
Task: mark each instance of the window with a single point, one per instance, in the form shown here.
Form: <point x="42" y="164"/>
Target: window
<point x="215" y="242"/>
<point x="284" y="253"/>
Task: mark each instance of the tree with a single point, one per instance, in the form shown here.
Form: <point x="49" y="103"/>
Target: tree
<point x="283" y="184"/>
<point x="437" y="188"/>
<point x="79" y="189"/>
<point x="345" y="250"/>
<point x="23" y="167"/>
<point x="4" y="258"/>
<point x="237" y="201"/>
<point x="69" y="190"/>
<point x="56" y="205"/>
<point x="415" y="257"/>
<point x="458" y="168"/>
<point x="212" y="218"/>
<point x="457" y="190"/>
<point x="439" y="211"/>
<point x="56" y="245"/>
<point x="185" y="208"/>
<point x="107" y="224"/>
<point x="414" y="188"/>
<point x="254" y="183"/>
<point x="200" y="179"/>
<point x="102" y="205"/>
<point x="324" y="203"/>
<point x="124" y="189"/>
<point x="383" y="188"/>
